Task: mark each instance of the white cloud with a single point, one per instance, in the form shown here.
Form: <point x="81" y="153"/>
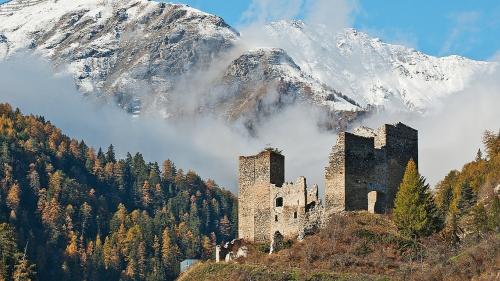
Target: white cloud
<point x="335" y="14"/>
<point x="209" y="146"/>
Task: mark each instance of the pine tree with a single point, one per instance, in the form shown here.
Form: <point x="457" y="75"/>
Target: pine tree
<point x="110" y="154"/>
<point x="452" y="231"/>
<point x="479" y="155"/>
<point x="466" y="199"/>
<point x="414" y="212"/>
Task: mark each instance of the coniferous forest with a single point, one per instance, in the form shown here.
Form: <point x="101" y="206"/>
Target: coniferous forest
<point x="69" y="212"/>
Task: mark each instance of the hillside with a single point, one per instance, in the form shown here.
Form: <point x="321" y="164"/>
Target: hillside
<point x="79" y="214"/>
<point x="147" y="55"/>
<point x="364" y="246"/>
<point x="361" y="246"/>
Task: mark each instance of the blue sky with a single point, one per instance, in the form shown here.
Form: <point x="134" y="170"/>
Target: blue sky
<point x="469" y="28"/>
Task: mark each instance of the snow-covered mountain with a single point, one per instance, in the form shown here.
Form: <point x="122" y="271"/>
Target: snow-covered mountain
<point x="369" y="70"/>
<point x="182" y="60"/>
<point x="123" y="48"/>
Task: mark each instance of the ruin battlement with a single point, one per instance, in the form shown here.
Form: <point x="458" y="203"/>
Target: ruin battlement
<point x="364" y="172"/>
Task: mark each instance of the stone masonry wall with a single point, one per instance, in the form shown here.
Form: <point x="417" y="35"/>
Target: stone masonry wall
<point x="256" y="173"/>
<point x="359" y="171"/>
<point x="335" y="177"/>
<point x="401" y="145"/>
<point x="357" y="167"/>
<point x="350" y="170"/>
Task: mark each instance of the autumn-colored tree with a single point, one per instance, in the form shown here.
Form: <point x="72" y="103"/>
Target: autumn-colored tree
<point x="169" y="171"/>
<point x="111" y="254"/>
<point x="146" y="194"/>
<point x="24" y="271"/>
<point x="72" y="248"/>
<point x="479" y="220"/>
<point x="208" y="248"/>
<point x="67" y="197"/>
<point x="14" y="197"/>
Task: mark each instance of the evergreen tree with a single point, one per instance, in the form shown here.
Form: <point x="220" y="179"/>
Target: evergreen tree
<point x="452" y="231"/>
<point x="414" y="212"/>
<point x="479" y="155"/>
<point x="225" y="228"/>
<point x="110" y="154"/>
<point x="466" y="199"/>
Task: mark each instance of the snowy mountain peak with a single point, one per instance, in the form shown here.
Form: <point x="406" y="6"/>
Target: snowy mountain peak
<point x="137" y="51"/>
<point x="370" y="71"/>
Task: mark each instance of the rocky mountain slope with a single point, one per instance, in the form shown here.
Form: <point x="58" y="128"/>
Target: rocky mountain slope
<point x="184" y="61"/>
<point x="371" y="71"/>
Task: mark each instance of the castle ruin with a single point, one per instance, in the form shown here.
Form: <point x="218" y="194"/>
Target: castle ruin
<point x="364" y="172"/>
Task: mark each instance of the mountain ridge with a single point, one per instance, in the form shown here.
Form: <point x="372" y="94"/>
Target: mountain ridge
<point x="137" y="51"/>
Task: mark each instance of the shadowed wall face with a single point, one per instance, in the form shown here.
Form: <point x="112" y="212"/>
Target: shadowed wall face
<point x="401" y="145"/>
<point x="372" y="162"/>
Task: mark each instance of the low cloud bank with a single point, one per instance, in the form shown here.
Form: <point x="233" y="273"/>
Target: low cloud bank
<point x="208" y="145"/>
<point x="450" y="133"/>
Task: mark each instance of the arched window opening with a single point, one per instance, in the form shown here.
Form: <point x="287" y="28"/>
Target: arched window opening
<point x="279" y="202"/>
<point x="294" y="215"/>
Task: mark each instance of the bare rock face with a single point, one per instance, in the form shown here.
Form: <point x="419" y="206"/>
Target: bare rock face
<point x="263" y="81"/>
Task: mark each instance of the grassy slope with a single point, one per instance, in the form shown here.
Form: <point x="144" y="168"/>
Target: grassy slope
<point x="361" y="246"/>
<point x="233" y="271"/>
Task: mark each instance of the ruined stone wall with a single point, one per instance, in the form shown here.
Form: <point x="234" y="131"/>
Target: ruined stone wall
<point x="335" y="177"/>
<point x="364" y="173"/>
<point x="351" y="166"/>
<point x="256" y="173"/>
<point x="312" y="198"/>
<point x="401" y="145"/>
<point x="288" y="218"/>
<point x="359" y="171"/>
<point x="350" y="171"/>
<point x="246" y="180"/>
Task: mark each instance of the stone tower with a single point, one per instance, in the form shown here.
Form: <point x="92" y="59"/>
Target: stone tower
<point x="366" y="168"/>
<point x="350" y="171"/>
<point x="400" y="144"/>
<point x="256" y="174"/>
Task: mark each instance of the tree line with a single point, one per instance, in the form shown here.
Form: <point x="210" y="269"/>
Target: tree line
<point x="70" y="212"/>
<point x="465" y="205"/>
